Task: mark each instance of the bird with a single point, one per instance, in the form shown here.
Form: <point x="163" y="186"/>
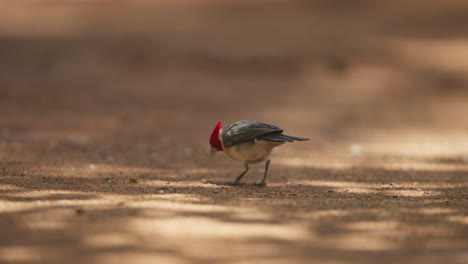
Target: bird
<point x="249" y="142"/>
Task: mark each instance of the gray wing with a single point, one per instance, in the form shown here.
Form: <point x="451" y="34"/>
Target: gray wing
<point x="246" y="130"/>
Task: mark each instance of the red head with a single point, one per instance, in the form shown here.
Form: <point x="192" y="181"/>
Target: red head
<point x="214" y="140"/>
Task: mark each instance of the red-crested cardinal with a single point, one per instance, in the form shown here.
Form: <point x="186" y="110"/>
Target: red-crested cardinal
<point x="249" y="142"/>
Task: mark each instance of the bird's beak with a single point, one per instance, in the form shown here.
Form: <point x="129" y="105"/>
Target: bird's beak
<point x="213" y="151"/>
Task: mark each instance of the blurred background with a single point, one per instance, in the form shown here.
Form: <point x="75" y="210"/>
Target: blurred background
<point x="95" y="70"/>
<point x="92" y="89"/>
<point x="324" y="68"/>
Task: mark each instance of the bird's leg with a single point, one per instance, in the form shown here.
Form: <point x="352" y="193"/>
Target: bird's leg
<point x="263" y="182"/>
<point x="246" y="166"/>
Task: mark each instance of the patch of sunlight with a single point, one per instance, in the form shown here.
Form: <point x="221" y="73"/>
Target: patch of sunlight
<point x="209" y="228"/>
<point x="339" y="184"/>
<point x="411" y="165"/>
<point x="403" y="164"/>
<point x="424" y="230"/>
<point x="277" y="259"/>
<point x="437" y="211"/>
<point x="358" y="190"/>
<point x="110" y="240"/>
<point x="444" y="54"/>
<point x="10" y="187"/>
<point x="20" y="253"/>
<point x="111" y="168"/>
<point x="177" y="197"/>
<point x="65" y="204"/>
<point x="136" y="257"/>
<point x="318" y="214"/>
<point x="461" y="219"/>
<point x="182" y="184"/>
<point x="7" y="206"/>
<point x="433" y="185"/>
<point x="43" y="223"/>
<point x="310" y="163"/>
<point x="198" y="171"/>
<point x="418" y="143"/>
<point x="410" y="193"/>
<point x="178" y="206"/>
<point x="51" y="193"/>
<point x="359" y="242"/>
<point x="388" y="227"/>
<point x="171" y="208"/>
<point x="404" y="189"/>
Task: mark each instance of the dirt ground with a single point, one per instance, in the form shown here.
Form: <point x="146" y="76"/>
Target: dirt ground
<point x="106" y="109"/>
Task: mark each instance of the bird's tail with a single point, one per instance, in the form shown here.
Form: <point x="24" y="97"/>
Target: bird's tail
<point x="281" y="138"/>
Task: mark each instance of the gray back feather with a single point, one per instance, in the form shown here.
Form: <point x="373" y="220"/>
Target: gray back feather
<point x="246" y="130"/>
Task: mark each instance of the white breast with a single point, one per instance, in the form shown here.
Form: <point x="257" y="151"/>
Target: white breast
<point x="251" y="151"/>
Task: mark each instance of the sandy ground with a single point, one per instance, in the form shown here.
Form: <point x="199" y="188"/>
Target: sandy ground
<point x="106" y="109"/>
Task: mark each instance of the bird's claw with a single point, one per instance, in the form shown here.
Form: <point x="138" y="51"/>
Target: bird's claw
<point x="234" y="183"/>
<point x="261" y="184"/>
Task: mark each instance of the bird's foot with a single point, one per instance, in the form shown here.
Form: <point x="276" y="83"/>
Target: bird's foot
<point x="261" y="184"/>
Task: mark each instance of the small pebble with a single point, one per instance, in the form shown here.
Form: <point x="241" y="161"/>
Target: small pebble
<point x="92" y="166"/>
<point x="356" y="149"/>
<point x="79" y="211"/>
<point x="203" y="180"/>
<point x="161" y="191"/>
<point x="108" y="180"/>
